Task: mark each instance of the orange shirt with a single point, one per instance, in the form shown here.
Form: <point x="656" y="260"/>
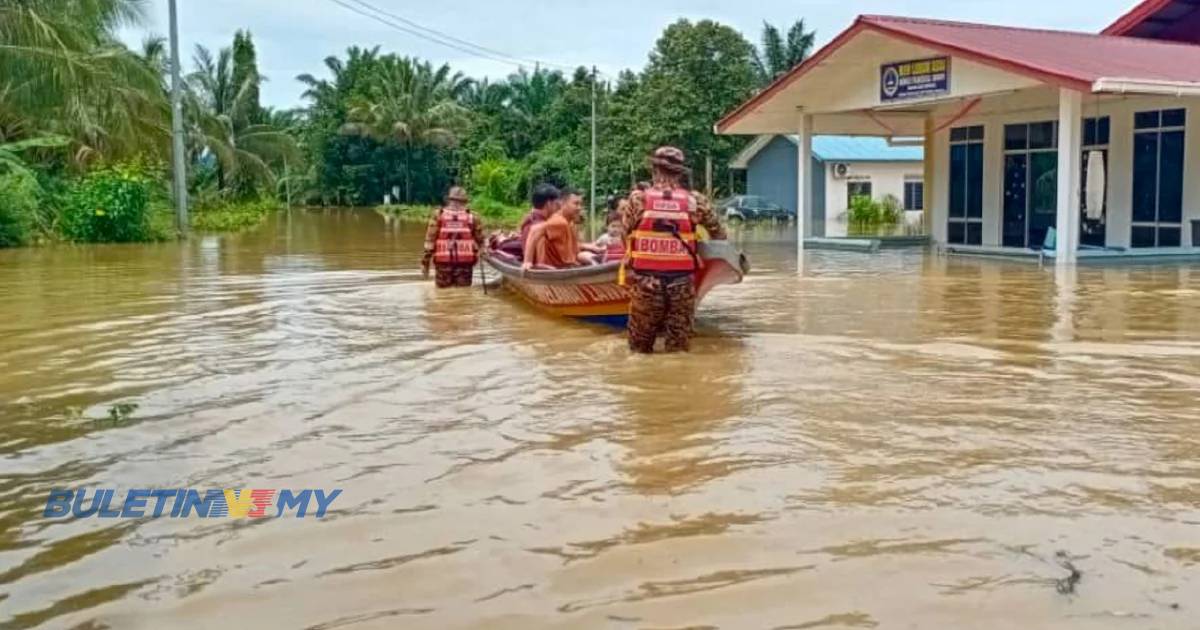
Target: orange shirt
<point x="558" y="245"/>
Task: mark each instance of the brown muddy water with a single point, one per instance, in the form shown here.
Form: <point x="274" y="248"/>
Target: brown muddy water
<point x="891" y="441"/>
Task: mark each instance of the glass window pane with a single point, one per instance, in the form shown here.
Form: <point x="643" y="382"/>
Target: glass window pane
<point x="1103" y="128"/>
<point x="974" y="233"/>
<point x="1043" y="195"/>
<point x="975" y="133"/>
<point x="1016" y="137"/>
<point x="958" y="180"/>
<point x="958" y="134"/>
<point x="1089" y="132"/>
<point x="1168" y="237"/>
<point x="1041" y="135"/>
<point x="919" y="196"/>
<point x="956" y="232"/>
<point x="1145" y="120"/>
<point x="1142" y="236"/>
<point x="975" y="180"/>
<point x="1015" y="178"/>
<point x="1174" y="118"/>
<point x="1170" y="177"/>
<point x="1145" y="176"/>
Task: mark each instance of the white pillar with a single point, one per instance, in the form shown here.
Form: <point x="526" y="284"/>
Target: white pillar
<point x="804" y="187"/>
<point x="1070" y="156"/>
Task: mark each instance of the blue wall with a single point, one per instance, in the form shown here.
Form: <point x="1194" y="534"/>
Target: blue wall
<point x="772" y="174"/>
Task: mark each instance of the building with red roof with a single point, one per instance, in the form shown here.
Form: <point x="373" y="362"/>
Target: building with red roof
<point x="1038" y="142"/>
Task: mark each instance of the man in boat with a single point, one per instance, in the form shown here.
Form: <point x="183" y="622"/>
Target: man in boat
<point x="545" y="203"/>
<point x="555" y="241"/>
<point x="660" y="223"/>
<point x="453" y="240"/>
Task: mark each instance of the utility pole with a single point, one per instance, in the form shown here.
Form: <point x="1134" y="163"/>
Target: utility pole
<point x="592" y="198"/>
<point x="708" y="172"/>
<point x="177" y="147"/>
<point x="287" y="184"/>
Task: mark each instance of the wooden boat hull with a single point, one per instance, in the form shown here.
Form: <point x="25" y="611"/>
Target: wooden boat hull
<point x="592" y="294"/>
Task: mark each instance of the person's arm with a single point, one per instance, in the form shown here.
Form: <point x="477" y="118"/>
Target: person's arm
<point x="536" y="233"/>
<point x="706" y="217"/>
<point x="477" y="231"/>
<point x="431" y="233"/>
<point x="630" y="210"/>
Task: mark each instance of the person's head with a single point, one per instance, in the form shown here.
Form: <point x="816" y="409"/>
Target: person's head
<point x="614" y="229"/>
<point x="669" y="166"/>
<point x="457" y="196"/>
<point x="572" y="204"/>
<point x="545" y="197"/>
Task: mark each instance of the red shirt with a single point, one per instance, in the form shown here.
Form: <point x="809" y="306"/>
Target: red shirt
<point x="534" y="217"/>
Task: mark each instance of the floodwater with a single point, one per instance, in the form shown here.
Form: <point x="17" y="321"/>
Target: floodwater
<point x="891" y="441"/>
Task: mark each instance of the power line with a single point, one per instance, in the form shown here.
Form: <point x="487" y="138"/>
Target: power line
<point x="483" y="49"/>
<point x="390" y="19"/>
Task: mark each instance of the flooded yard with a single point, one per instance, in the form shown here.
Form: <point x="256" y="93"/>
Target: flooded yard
<point x="894" y="441"/>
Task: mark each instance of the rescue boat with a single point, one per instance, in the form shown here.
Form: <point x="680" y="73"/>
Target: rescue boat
<point x="593" y="293"/>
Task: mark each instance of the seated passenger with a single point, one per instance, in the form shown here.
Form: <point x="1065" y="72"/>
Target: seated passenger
<point x="612" y="243"/>
<point x="555" y="242"/>
<point x="545" y="204"/>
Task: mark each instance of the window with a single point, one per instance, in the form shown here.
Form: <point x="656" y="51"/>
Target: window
<point x="914" y="195"/>
<point x="1158" y="178"/>
<point x="1030" y="183"/>
<point x="965" y="223"/>
<point x="858" y="189"/>
<point x="1095" y="138"/>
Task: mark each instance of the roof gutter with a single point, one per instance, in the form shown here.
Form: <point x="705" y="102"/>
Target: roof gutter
<point x="1116" y="85"/>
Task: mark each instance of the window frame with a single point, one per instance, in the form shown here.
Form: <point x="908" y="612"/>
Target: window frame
<point x="1142" y="127"/>
<point x="970" y="227"/>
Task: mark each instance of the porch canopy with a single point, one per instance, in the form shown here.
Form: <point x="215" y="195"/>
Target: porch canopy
<point x="989" y="70"/>
<point x="840" y="85"/>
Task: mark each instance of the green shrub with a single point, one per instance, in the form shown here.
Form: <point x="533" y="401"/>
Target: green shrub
<point x="219" y="215"/>
<point x="866" y="212"/>
<point x="499" y="179"/>
<point x="496" y="211"/>
<point x="19" y="201"/>
<point x="115" y="204"/>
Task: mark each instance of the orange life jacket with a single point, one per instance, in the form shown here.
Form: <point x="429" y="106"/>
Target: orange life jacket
<point x="665" y="238"/>
<point x="455" y="243"/>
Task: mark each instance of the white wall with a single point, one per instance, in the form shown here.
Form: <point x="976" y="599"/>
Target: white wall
<point x="1120" y="166"/>
<point x="887" y="178"/>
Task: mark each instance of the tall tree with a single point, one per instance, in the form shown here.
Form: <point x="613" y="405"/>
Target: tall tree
<point x="245" y="73"/>
<point x="777" y="56"/>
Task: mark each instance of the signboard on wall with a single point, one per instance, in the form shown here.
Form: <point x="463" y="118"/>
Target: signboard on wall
<point x="919" y="78"/>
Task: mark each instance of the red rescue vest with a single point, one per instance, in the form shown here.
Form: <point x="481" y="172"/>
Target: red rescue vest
<point x="615" y="250"/>
<point x="665" y="238"/>
<point x="455" y="243"/>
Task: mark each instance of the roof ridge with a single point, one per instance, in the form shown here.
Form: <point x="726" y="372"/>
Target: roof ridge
<point x="1132" y="41"/>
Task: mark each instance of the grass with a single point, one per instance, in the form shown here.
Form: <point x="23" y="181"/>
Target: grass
<point x="231" y="216"/>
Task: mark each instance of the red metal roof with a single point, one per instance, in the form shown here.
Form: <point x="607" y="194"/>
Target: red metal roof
<point x="1175" y="20"/>
<point x="1064" y="58"/>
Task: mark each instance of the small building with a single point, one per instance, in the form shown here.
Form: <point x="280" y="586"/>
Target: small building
<point x="1093" y="136"/>
<point x="846" y="167"/>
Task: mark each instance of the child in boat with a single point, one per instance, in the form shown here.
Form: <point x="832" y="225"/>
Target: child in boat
<point x="612" y="243"/>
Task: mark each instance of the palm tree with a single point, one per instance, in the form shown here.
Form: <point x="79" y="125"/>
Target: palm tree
<point x="412" y="104"/>
<point x="778" y="56"/>
<point x="218" y="114"/>
<point x="63" y="71"/>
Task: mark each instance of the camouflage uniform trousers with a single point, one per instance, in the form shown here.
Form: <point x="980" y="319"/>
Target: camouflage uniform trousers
<point x="453" y="275"/>
<point x="662" y="305"/>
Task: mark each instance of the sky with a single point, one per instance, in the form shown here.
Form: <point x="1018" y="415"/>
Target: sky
<point x="295" y="36"/>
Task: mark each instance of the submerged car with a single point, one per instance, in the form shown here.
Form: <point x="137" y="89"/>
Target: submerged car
<point x="751" y="208"/>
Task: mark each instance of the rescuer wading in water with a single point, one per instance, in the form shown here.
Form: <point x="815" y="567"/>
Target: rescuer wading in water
<point x="452" y="242"/>
<point x="660" y="223"/>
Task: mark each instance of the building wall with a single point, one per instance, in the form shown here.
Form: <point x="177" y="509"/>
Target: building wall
<point x="887" y="178"/>
<point x="772" y="174"/>
<point x="1120" y="166"/>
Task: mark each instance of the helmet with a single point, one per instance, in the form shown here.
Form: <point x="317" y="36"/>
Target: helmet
<point x="457" y="193"/>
